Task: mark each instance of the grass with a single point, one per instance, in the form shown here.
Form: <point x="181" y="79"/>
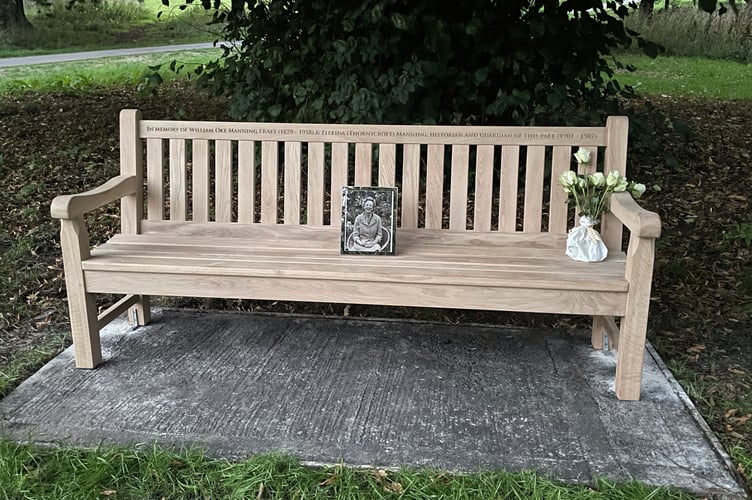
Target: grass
<point x="687" y="77"/>
<point x="153" y="472"/>
<point x="81" y="76"/>
<point x="111" y="24"/>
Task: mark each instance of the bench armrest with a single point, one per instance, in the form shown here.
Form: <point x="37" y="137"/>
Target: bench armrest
<point x="70" y="206"/>
<point x="641" y="222"/>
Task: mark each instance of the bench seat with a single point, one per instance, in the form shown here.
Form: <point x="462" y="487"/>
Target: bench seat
<point x="520" y="271"/>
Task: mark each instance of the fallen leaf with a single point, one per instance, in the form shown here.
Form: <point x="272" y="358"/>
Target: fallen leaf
<point x="696" y="349"/>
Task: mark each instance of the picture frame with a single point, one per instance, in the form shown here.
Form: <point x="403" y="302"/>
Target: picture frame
<point x="369" y="220"/>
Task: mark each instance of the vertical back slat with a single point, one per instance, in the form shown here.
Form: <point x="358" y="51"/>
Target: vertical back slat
<point x="510" y="164"/>
<point x="200" y="156"/>
<point x="269" y="172"/>
<point x="363" y="164"/>
<point x="534" y="170"/>
<point x="339" y="180"/>
<point x="131" y="163"/>
<point x="246" y="181"/>
<point x="292" y="182"/>
<point x="483" y="188"/>
<point x="223" y="182"/>
<point x="410" y="185"/>
<point x="155" y="179"/>
<point x="387" y="164"/>
<point x="177" y="180"/>
<point x="434" y="186"/>
<point x="315" y="202"/>
<point x="617" y="130"/>
<point x="458" y="199"/>
<point x="557" y="210"/>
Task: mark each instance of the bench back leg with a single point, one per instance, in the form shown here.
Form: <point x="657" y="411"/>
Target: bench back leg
<point x="140" y="312"/>
<point x="81" y="305"/>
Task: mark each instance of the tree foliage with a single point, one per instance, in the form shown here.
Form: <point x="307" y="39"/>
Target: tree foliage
<point x="392" y="61"/>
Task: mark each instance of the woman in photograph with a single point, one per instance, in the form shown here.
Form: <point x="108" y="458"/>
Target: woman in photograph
<point x="367" y="229"/>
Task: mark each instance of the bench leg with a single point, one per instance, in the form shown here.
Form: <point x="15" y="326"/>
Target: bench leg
<point x="634" y="325"/>
<point x="607" y="325"/>
<point x="84" y="330"/>
<point x="629" y="360"/>
<point x="140" y="312"/>
<point x="596" y="337"/>
<point x="81" y="305"/>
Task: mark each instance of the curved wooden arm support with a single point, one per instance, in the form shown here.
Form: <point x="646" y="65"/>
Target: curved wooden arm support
<point x="71" y="206"/>
<point x="641" y="222"/>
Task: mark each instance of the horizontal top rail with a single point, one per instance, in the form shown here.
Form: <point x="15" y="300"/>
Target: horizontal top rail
<point x="391" y="134"/>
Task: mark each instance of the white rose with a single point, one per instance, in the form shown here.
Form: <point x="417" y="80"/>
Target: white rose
<point x="638" y="189"/>
<point x="597" y="179"/>
<point x="613" y="178"/>
<point x="582" y="155"/>
<point x="568" y="179"/>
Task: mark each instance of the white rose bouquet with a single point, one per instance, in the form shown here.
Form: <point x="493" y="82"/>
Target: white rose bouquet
<point x="590" y="194"/>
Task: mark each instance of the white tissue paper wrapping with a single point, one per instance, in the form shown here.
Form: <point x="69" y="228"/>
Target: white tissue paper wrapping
<point x="584" y="243"/>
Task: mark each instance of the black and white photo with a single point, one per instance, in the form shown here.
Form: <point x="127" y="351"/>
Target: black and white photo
<point x="369" y="220"/>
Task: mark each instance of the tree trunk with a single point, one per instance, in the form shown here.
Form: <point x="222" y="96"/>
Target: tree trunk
<point x="646" y="6"/>
<point x="12" y="15"/>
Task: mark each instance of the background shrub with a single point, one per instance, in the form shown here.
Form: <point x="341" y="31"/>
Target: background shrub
<point x="393" y="61"/>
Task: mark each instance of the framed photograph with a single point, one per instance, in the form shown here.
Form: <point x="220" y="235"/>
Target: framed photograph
<point x="369" y="220"/>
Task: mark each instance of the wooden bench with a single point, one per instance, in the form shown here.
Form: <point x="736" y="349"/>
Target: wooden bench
<point x="252" y="211"/>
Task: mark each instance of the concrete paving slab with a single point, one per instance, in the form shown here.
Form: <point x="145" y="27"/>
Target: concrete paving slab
<point x="374" y="393"/>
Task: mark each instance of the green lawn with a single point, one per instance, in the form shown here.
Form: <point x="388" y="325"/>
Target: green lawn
<point x="690" y="77"/>
<point x="107" y="72"/>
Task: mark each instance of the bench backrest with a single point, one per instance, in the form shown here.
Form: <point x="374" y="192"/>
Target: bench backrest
<point x="458" y="178"/>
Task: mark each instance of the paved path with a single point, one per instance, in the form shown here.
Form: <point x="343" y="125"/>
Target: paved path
<point x="95" y="54"/>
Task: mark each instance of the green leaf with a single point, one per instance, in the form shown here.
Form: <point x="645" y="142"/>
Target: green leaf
<point x="399" y="21"/>
<point x="275" y="110"/>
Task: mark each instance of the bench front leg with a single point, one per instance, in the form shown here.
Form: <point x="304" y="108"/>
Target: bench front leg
<point x="74" y="239"/>
<point x="633" y="328"/>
